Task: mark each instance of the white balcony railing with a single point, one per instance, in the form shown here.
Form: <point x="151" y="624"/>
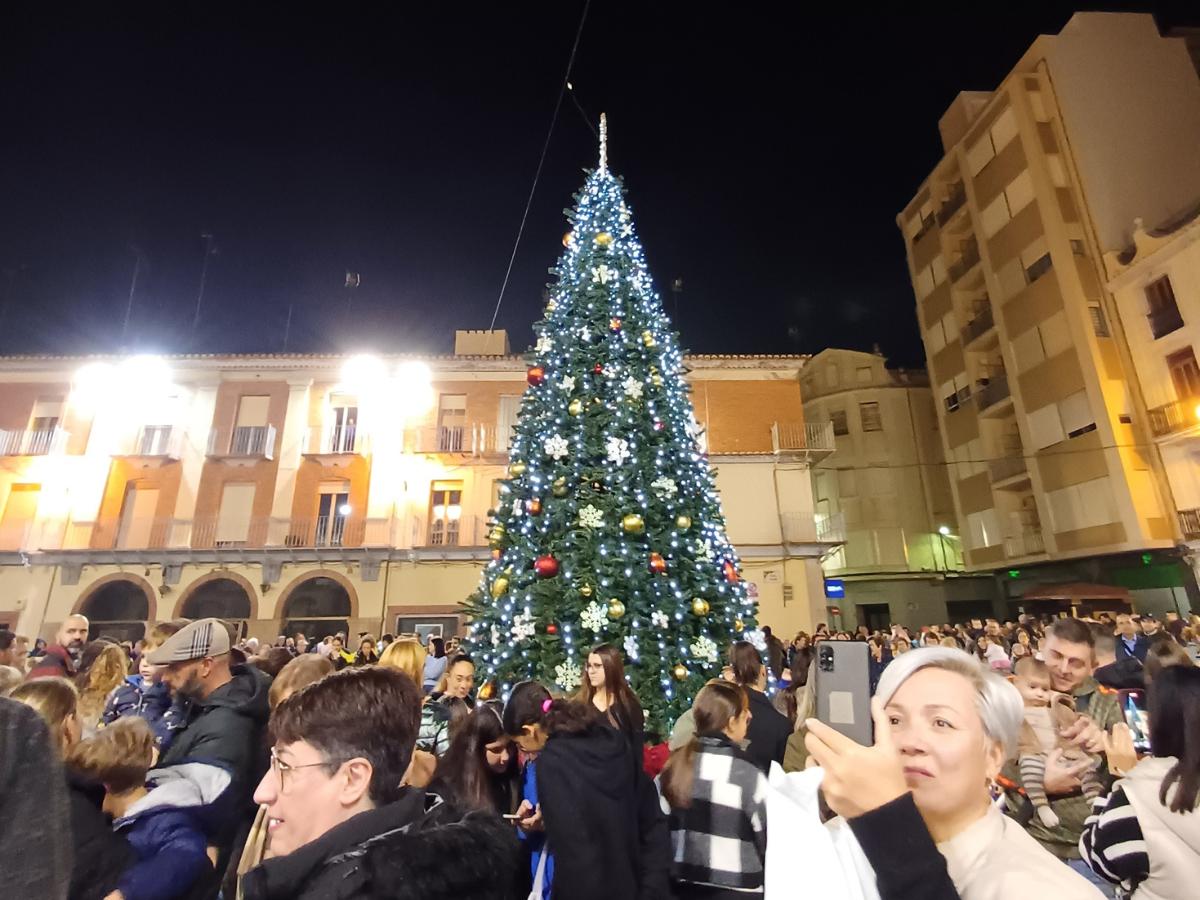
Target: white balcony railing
<point x="1029" y="543"/>
<point x="476" y="439"/>
<point x="158" y="440"/>
<point x="39" y="442"/>
<point x="244" y="440"/>
<point x="332" y="440"/>
<point x="462" y="531"/>
<point x="799" y="528"/>
<point x="809" y="437"/>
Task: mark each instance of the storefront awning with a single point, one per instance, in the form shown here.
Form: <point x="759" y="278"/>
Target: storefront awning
<point x="1077" y="592"/>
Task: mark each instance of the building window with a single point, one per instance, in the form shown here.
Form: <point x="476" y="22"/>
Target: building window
<point x="452" y="422"/>
<point x="869" y="414"/>
<point x="343" y="426"/>
<point x="1037" y="268"/>
<point x="1163" y="311"/>
<point x="333" y="509"/>
<point x="445" y="513"/>
<point x="838" y="418"/>
<point x="1185" y="374"/>
<point x="1099" y="323"/>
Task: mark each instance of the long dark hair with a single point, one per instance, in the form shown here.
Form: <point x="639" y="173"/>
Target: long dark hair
<point x="463" y="771"/>
<point x="746" y="662"/>
<point x="531" y="704"/>
<point x="623" y="707"/>
<point x="717" y="704"/>
<point x="1174" y="710"/>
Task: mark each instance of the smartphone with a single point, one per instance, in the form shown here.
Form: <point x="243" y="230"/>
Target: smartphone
<point x="843" y="685"/>
<point x="1133" y="705"/>
<point x="513" y="817"/>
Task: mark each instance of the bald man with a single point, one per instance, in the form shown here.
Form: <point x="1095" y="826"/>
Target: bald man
<point x="62" y="657"/>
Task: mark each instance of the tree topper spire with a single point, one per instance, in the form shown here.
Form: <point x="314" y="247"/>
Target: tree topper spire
<point x="603" y="142"/>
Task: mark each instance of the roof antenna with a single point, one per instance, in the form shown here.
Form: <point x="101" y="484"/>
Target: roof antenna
<point x="603" y="142"/>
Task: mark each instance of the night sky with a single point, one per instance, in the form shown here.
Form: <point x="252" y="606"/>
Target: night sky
<point x="765" y="161"/>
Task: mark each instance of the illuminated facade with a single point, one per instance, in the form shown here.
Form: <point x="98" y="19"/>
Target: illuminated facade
<point x="1039" y="411"/>
<point x="329" y="492"/>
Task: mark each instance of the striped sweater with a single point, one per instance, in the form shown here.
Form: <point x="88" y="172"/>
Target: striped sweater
<point x="1112" y="843"/>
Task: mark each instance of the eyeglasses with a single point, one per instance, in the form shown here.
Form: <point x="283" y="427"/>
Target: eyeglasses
<point x="280" y="768"/>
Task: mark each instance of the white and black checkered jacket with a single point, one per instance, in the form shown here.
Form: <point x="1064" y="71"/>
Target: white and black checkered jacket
<point x="721" y="839"/>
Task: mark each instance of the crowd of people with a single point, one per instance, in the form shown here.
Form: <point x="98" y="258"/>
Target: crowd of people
<point x="191" y="764"/>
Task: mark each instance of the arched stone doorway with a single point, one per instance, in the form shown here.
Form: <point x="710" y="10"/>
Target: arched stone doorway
<point x="318" y="606"/>
<point x="220" y="597"/>
<point x="117" y="608"/>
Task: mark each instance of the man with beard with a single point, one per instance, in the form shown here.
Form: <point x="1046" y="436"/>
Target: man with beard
<point x="225" y="714"/>
<point x="62" y="657"/>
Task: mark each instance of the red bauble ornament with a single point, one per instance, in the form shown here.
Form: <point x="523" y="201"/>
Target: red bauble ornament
<point x="614" y="323"/>
<point x="534" y="506"/>
<point x="551" y="628"/>
<point x="730" y="570"/>
<point x="658" y="425"/>
<point x="535" y="375"/>
<point x="658" y="565"/>
<point x="598" y="369"/>
<point x="545" y="566"/>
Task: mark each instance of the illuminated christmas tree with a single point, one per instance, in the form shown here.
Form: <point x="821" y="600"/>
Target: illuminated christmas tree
<point x="609" y="527"/>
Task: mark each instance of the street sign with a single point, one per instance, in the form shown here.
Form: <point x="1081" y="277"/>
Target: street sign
<point x="835" y="588"/>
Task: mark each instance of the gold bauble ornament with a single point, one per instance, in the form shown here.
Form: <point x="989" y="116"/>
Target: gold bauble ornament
<point x="585" y="590"/>
<point x="559" y="487"/>
<point x="551" y="306"/>
<point x="683" y="523"/>
<point x="500" y="587"/>
<point x="739" y="626"/>
<point x="633" y="523"/>
<point x="575" y="407"/>
<point x="616" y="608"/>
<point x="699" y="606"/>
<point x="604" y="239"/>
<point x="595" y="400"/>
<point x="656" y="380"/>
<point x="517" y="469"/>
<point x="680" y="672"/>
<point x="567" y="238"/>
<point x="648" y="339"/>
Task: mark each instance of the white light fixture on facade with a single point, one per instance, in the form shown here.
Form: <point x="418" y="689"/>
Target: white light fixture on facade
<point x="943" y="530"/>
<point x="345" y="509"/>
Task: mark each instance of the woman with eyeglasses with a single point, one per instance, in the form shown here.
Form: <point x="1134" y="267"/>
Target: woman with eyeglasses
<point x="606" y="690"/>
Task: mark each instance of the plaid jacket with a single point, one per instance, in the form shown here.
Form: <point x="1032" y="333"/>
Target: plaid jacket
<point x="721" y="839"/>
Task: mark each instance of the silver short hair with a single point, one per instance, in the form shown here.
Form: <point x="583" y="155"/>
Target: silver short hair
<point x="1001" y="709"/>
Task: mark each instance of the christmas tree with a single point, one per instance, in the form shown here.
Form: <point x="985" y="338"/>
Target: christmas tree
<point x="609" y="528"/>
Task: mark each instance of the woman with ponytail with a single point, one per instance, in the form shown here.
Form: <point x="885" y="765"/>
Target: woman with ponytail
<point x="719" y="850"/>
<point x="582" y="791"/>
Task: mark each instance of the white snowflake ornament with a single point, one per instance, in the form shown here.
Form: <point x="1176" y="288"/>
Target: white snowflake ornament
<point x="495" y="636"/>
<point x="593" y="617"/>
<point x="556" y="446"/>
<point x="618" y="450"/>
<point x="567" y="384"/>
<point x="757" y="638"/>
<point x="632" y="388"/>
<point x="545" y="344"/>
<point x="659" y="619"/>
<point x="704" y="550"/>
<point x="523" y="627"/>
<point x="704" y="648"/>
<point x="590" y="517"/>
<point x="631" y="647"/>
<point x="664" y="487"/>
<point x="584" y="334"/>
<point x="603" y="274"/>
<point x="568" y="675"/>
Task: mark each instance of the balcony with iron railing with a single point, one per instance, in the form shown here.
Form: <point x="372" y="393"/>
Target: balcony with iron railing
<point x="1175" y="417"/>
<point x="991" y="392"/>
<point x="336" y="440"/>
<point x="810" y="528"/>
<point x="813" y="440"/>
<point x="477" y="439"/>
<point x="955" y="201"/>
<point x="33" y="442"/>
<point x="157" y="441"/>
<point x="1189" y="523"/>
<point x="965" y="263"/>
<point x="243" y="441"/>
<point x="983" y="323"/>
<point x="1027" y="543"/>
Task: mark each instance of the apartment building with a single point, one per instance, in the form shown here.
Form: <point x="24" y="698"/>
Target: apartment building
<point x="887" y="488"/>
<point x="331" y="493"/>
<point x="1155" y="284"/>
<point x="1052" y="477"/>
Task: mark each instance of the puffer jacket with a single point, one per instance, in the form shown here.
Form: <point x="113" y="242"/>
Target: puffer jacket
<point x="100" y="857"/>
<point x="168" y="829"/>
<point x="401" y="851"/>
<point x="153" y="703"/>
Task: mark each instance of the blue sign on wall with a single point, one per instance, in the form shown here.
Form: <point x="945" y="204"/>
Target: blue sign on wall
<point x="835" y="588"/>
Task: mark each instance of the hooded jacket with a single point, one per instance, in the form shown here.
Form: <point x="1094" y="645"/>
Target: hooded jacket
<point x="133" y="697"/>
<point x="620" y="847"/>
<point x="55" y="663"/>
<point x="418" y="848"/>
<point x="167" y="830"/>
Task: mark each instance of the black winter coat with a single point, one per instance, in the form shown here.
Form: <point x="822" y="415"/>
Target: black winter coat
<point x="417" y="848"/>
<point x="767" y="736"/>
<point x="101" y="856"/>
<point x="604" y="826"/>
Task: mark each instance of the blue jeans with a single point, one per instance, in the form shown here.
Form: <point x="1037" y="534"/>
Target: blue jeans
<point x="1107" y="888"/>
